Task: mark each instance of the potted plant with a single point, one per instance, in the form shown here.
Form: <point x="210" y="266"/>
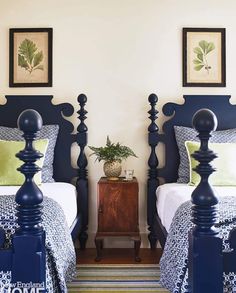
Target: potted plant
<point x="112" y="154"/>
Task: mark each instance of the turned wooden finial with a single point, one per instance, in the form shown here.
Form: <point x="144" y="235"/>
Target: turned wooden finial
<point x="153" y="180"/>
<point x="82" y="181"/>
<point x="203" y="197"/>
<point x="82" y="133"/>
<point x="205" y="262"/>
<point x="82" y="99"/>
<point x="29" y="197"/>
<point x="153" y="129"/>
<point x="28" y="243"/>
<point x="153" y="113"/>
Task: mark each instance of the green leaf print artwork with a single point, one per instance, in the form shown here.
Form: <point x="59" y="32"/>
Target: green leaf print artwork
<point x="29" y="57"/>
<point x="201" y="52"/>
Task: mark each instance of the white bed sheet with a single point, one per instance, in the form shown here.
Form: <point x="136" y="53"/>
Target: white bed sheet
<point x="63" y="193"/>
<point x="171" y="195"/>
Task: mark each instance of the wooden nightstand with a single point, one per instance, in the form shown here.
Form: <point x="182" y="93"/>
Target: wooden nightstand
<point x="117" y="212"/>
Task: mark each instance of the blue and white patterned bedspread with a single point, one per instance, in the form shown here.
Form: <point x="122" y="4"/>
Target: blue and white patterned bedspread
<point x="173" y="264"/>
<point x="60" y="253"/>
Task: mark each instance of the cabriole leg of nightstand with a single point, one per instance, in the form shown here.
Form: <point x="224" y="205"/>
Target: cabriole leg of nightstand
<point x="99" y="247"/>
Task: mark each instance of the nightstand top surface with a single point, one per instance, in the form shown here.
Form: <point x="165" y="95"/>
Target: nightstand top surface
<point x="121" y="180"/>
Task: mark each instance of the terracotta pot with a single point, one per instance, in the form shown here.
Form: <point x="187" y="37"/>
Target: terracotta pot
<point x="112" y="169"/>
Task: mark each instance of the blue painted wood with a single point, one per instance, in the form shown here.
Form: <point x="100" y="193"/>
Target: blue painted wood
<point x="27" y="258"/>
<point x="82" y="181"/>
<point x="153" y="181"/>
<point x="63" y="170"/>
<point x="181" y="114"/>
<point x="205" y="261"/>
<point x="6" y="260"/>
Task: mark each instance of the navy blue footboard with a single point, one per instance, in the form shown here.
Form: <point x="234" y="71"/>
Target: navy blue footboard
<point x="26" y="257"/>
<point x="207" y="261"/>
<point x="205" y="245"/>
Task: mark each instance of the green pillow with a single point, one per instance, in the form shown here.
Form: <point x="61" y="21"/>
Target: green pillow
<point x="9" y="162"/>
<point x="225" y="164"/>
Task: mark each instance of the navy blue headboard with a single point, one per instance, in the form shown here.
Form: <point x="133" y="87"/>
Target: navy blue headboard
<point x="182" y="115"/>
<point x="51" y="114"/>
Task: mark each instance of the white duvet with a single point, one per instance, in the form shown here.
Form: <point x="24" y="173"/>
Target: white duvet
<point x="171" y="195"/>
<point x="63" y="193"/>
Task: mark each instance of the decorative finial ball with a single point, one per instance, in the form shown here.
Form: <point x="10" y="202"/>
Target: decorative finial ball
<point x="82" y="99"/>
<point x="204" y="120"/>
<point x="152" y="99"/>
<point x="30" y="121"/>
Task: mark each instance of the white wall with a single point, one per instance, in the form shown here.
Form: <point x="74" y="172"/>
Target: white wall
<point x="117" y="52"/>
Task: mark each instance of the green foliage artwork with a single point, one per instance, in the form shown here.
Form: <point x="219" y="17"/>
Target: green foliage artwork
<point x="29" y="57"/>
<point x="201" y="55"/>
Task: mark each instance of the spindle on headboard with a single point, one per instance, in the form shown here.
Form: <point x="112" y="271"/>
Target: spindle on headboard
<point x="82" y="181"/>
<point x="205" y="245"/>
<point x="153" y="181"/>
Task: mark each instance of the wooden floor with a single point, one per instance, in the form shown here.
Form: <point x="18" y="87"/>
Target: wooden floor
<point x="118" y="256"/>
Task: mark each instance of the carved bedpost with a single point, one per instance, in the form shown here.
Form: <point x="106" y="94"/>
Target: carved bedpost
<point x="82" y="181"/>
<point x="205" y="245"/>
<point x="153" y="181"/>
<point x="28" y="259"/>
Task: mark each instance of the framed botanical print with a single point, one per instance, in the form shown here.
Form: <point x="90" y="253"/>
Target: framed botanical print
<point x="30" y="57"/>
<point x="204" y="57"/>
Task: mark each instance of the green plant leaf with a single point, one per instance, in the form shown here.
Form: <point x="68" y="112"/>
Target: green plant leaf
<point x="198" y="67"/>
<point x="112" y="152"/>
<point x="22" y="62"/>
<point x="203" y="44"/>
<point x="197" y="61"/>
<point x="200" y="57"/>
<point x="27" y="49"/>
<point x="28" y="56"/>
<point x="197" y="50"/>
<point x="38" y="57"/>
<point x="210" y="47"/>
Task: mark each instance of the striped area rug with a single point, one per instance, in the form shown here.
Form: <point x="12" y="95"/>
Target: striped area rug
<point x="117" y="278"/>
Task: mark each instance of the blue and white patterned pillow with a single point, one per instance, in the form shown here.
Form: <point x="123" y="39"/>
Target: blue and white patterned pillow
<point x="48" y="131"/>
<point x="183" y="134"/>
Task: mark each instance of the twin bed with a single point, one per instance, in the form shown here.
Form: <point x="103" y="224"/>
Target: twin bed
<point x="65" y="207"/>
<point x="195" y="253"/>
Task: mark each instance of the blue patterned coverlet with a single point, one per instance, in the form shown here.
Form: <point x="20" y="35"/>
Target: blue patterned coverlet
<point x="60" y="253"/>
<point x="173" y="264"/>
